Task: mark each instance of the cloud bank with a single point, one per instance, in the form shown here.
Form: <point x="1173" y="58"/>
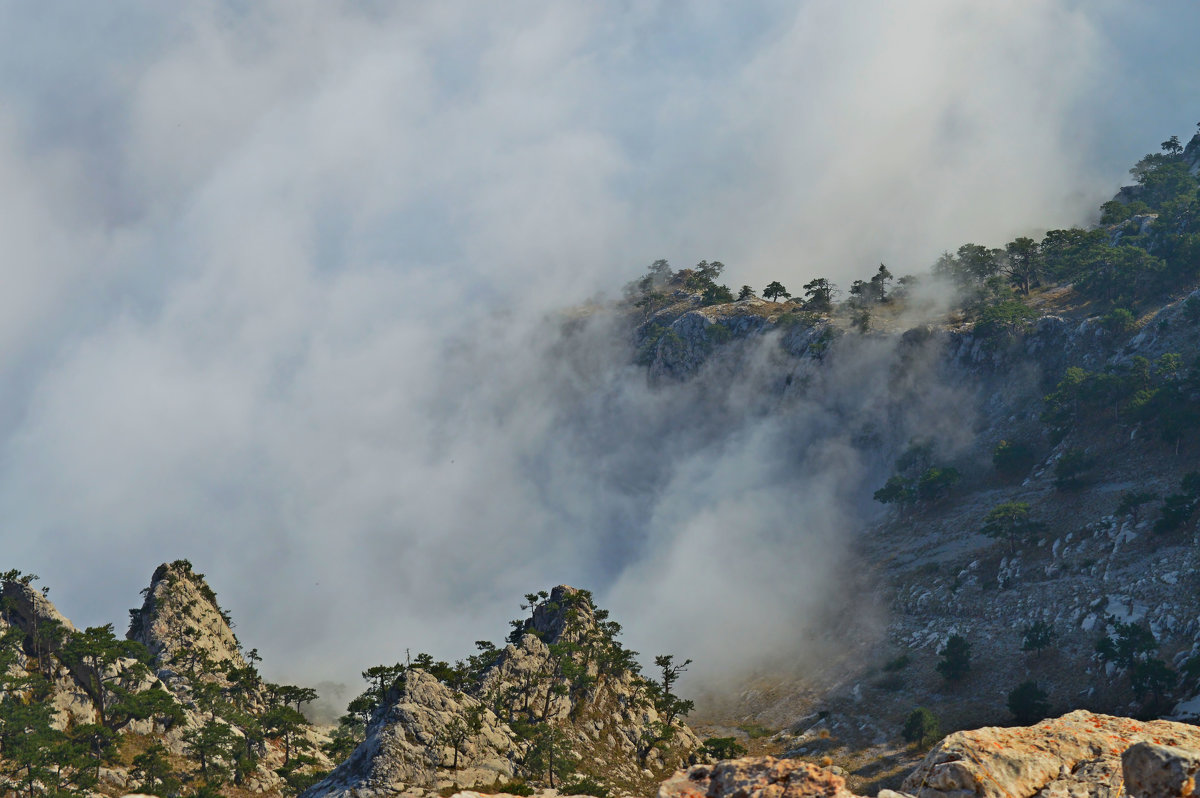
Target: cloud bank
<point x="285" y="289"/>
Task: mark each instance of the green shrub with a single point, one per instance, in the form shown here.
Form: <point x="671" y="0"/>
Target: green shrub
<point x="1012" y="459"/>
<point x="897" y="664"/>
<point x="1118" y="320"/>
<point x="755" y="730"/>
<point x="1071" y="469"/>
<point x="1037" y="636"/>
<point x="936" y="483"/>
<point x="921" y="727"/>
<point x="722" y="748"/>
<point x="718" y="333"/>
<point x="956" y="658"/>
<point x="583" y="785"/>
<point x="1028" y="704"/>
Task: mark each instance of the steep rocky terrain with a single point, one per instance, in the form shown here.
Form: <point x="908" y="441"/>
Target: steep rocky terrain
<point x="1067" y="395"/>
<point x="562" y="700"/>
<point x="175" y="706"/>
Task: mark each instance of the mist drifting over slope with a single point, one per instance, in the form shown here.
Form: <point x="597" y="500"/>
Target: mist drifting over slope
<point x="286" y="288"/>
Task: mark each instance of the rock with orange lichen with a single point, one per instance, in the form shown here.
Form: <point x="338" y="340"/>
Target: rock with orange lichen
<point x="755" y="777"/>
<point x="1078" y="754"/>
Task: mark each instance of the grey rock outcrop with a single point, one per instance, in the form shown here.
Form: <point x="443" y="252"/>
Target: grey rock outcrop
<point x="180" y="619"/>
<point x="1159" y="771"/>
<point x="600" y="712"/>
<point x="408" y="745"/>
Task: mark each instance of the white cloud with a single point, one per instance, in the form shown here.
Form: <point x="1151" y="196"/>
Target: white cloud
<point x="281" y="287"/>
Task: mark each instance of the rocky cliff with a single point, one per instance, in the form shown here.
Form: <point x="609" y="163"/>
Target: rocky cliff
<point x="180" y="621"/>
<point x="174" y="707"/>
<point x="561" y="698"/>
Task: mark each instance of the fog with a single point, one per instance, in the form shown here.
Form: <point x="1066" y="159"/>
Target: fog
<point x="298" y="291"/>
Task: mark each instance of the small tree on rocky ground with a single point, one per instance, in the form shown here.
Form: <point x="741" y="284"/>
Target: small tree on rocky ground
<point x="1028" y="703"/>
<point x="1037" y="637"/>
<point x="956" y="659"/>
<point x="921" y="727"/>
<point x="722" y="748"/>
<point x="1132" y="501"/>
<point x="775" y="290"/>
<point x="1071" y="470"/>
<point x="1010" y="521"/>
<point x="1155" y="677"/>
<point x="1012" y="459"/>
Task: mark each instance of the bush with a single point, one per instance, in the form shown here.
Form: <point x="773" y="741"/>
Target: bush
<point x="1131" y="502"/>
<point x="1028" y="703"/>
<point x="512" y="788"/>
<point x="956" y="658"/>
<point x="583" y="785"/>
<point x="921" y="727"/>
<point x="897" y="664"/>
<point x="1152" y="676"/>
<point x="1071" y="469"/>
<point x="1037" y="636"/>
<point x="936" y="483"/>
<point x="1006" y="316"/>
<point x="722" y="748"/>
<point x="1013" y="460"/>
<point x="1118" y="321"/>
<point x="718" y="333"/>
<point x="714" y="294"/>
<point x="755" y="730"/>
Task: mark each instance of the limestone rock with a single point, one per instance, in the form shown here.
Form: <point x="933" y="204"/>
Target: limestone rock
<point x="1159" y="771"/>
<point x="30" y="610"/>
<point x="608" y="724"/>
<point x="1078" y="754"/>
<point x="180" y="618"/>
<point x="407" y="746"/>
<point x="755" y="777"/>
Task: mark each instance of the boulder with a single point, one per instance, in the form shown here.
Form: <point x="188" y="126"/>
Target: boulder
<point x="755" y="777"/>
<point x="1078" y="754"/>
<point x="1159" y="771"/>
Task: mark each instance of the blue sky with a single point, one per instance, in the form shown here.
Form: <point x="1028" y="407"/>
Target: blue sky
<point x="271" y="268"/>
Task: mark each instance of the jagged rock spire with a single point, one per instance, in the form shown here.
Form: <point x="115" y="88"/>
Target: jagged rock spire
<point x="181" y="620"/>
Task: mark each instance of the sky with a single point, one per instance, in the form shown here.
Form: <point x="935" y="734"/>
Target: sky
<point x="285" y="287"/>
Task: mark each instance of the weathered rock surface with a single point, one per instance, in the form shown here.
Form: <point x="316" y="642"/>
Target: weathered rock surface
<point x="180" y="619"/>
<point x="407" y="745"/>
<point x="607" y="722"/>
<point x="28" y="609"/>
<point x="1078" y="754"/>
<point x="184" y="627"/>
<point x="755" y="777"/>
<point x="1159" y="771"/>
